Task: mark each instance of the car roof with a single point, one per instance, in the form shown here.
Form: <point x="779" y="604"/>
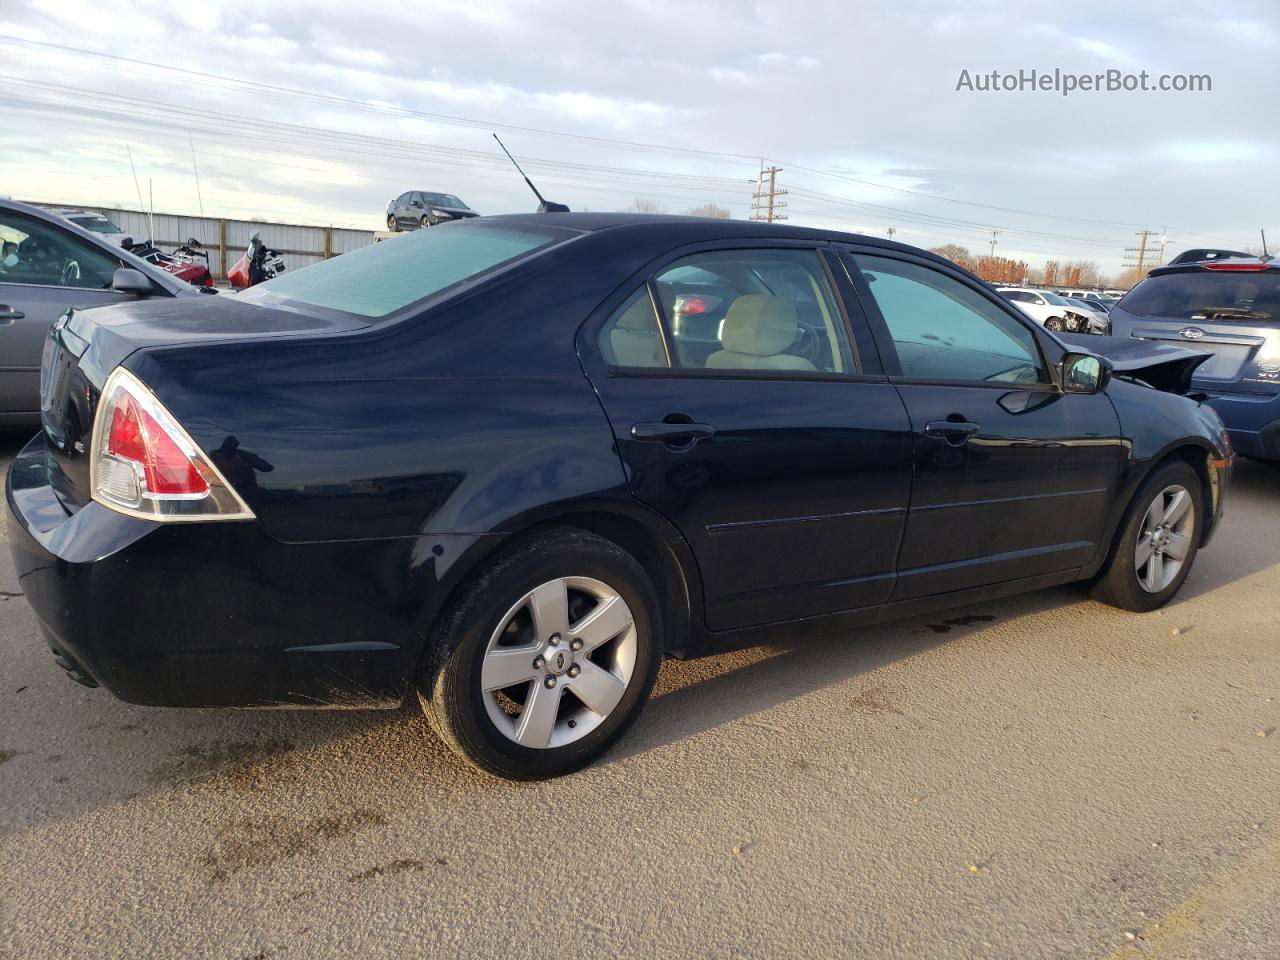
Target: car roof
<point x="683" y="229"/>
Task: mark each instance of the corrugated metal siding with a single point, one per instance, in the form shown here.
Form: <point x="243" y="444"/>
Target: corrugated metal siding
<point x="299" y="244"/>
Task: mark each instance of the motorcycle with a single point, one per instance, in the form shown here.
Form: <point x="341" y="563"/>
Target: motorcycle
<point x="259" y="263"/>
<point x="190" y="262"/>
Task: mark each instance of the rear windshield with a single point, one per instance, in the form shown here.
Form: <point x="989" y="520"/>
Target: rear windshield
<point x="1202" y="295"/>
<point x="379" y="279"/>
<point x="96" y="224"/>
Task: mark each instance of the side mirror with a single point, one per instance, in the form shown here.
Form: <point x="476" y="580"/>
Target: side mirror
<point x="1085" y="373"/>
<point x="193" y="243"/>
<point x="128" y="280"/>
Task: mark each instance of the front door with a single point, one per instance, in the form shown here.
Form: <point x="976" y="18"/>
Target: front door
<point x="1013" y="478"/>
<point x="744" y="413"/>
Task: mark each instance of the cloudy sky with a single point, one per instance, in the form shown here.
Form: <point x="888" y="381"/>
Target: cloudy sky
<point x="319" y="112"/>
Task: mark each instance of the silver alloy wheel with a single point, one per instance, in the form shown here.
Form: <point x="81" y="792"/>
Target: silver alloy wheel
<point x="1164" y="539"/>
<point x="537" y="655"/>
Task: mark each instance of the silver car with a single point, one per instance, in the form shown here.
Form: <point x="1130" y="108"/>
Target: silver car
<point x="48" y="264"/>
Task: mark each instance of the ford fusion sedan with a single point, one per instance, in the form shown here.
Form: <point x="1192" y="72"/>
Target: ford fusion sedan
<point x="1229" y="308"/>
<point x="419" y="209"/>
<point x="486" y="469"/>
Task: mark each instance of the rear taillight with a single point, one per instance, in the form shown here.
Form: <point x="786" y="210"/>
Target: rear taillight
<point x="693" y="304"/>
<point x="142" y="462"/>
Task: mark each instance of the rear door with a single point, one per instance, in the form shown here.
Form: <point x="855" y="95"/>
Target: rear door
<point x="779" y="450"/>
<point x="43" y="271"/>
<point x="1013" y="478"/>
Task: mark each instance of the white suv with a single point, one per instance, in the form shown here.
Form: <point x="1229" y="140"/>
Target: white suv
<point x="1053" y="312"/>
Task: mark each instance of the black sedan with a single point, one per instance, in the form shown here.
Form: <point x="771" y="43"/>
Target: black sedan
<point x="419" y="209"/>
<point x="483" y="467"/>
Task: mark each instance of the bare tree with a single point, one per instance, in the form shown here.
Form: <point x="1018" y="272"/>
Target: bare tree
<point x="708" y="210"/>
<point x="644" y="205"/>
<point x="956" y="254"/>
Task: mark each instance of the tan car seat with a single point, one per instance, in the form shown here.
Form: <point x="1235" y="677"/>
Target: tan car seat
<point x="757" y="328"/>
<point x="634" y="339"/>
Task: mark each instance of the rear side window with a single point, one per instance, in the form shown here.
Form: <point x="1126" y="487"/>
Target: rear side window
<point x="756" y="311"/>
<point x="381" y="278"/>
<point x="943" y="330"/>
<point x="631" y="337"/>
<point x="1206" y="295"/>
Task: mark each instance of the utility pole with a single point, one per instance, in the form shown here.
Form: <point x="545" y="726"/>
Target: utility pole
<point x="1136" y="257"/>
<point x="890" y="232"/>
<point x="764" y="203"/>
<point x="994" y="234"/>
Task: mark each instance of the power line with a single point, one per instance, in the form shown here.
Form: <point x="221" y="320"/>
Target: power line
<point x="312" y="96"/>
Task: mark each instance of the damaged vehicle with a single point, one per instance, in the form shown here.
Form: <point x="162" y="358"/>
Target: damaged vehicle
<point x="1228" y="309"/>
<point x="501" y="469"/>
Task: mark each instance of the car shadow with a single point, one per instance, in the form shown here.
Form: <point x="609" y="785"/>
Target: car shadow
<point x="105" y="753"/>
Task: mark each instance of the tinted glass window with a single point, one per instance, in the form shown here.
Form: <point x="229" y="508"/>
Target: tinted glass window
<point x="34" y="252"/>
<point x="381" y="278"/>
<point x="95" y="224"/>
<point x="943" y="330"/>
<point x="444" y="200"/>
<point x="1205" y="295"/>
<point x="630" y="337"/>
<point x="756" y="310"/>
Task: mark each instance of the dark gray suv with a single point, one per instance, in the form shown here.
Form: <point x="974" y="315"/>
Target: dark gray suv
<point x="421" y="208"/>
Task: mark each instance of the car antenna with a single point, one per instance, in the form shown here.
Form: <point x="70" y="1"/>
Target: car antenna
<point x="544" y="206"/>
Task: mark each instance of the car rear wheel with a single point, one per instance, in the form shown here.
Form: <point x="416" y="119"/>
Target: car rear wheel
<point x="1157" y="542"/>
<point x="1055" y="324"/>
<point x="546" y="658"/>
<point x="392" y="225"/>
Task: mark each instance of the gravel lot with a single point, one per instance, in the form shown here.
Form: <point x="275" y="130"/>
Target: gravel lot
<point x="1036" y="777"/>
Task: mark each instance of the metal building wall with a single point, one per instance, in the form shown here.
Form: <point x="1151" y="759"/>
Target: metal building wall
<point x="226" y="240"/>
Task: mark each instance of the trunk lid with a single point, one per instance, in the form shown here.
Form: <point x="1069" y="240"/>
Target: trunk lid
<point x="84" y="346"/>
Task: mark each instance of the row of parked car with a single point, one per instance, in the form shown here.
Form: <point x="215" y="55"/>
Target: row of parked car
<point x="1063" y="311"/>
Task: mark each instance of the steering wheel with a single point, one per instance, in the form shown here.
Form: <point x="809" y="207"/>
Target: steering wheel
<point x="70" y="273"/>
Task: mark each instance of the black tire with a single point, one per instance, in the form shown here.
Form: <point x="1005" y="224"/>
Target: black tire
<point x="392" y="224"/>
<point x="1118" y="584"/>
<point x="450" y="687"/>
<point x="424" y="222"/>
<point x="1055" y="324"/>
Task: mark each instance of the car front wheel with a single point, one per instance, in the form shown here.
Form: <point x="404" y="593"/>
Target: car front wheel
<point x="546" y="657"/>
<point x="1055" y="324"/>
<point x="425" y="221"/>
<point x="1157" y="543"/>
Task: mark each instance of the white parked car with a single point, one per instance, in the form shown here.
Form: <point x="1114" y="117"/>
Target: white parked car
<point x="95" y="223"/>
<point x="1054" y="312"/>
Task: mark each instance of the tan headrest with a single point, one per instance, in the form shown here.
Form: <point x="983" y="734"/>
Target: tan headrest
<point x="759" y="325"/>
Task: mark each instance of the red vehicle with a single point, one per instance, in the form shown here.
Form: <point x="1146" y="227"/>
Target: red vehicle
<point x="258" y="263"/>
<point x="190" y="262"/>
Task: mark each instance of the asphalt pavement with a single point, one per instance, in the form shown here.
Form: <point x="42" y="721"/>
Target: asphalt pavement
<point x="1039" y="777"/>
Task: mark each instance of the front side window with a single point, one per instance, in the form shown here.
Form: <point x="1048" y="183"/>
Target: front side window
<point x="379" y="279"/>
<point x="944" y="330"/>
<point x="735" y="310"/>
<point x="33" y="252"/>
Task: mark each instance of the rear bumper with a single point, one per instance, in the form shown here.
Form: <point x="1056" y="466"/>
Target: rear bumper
<point x="215" y="614"/>
<point x="1252" y="421"/>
